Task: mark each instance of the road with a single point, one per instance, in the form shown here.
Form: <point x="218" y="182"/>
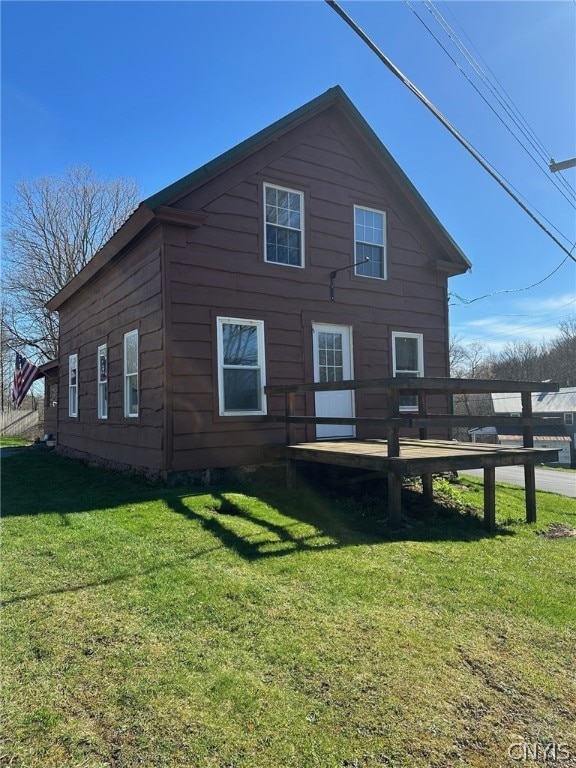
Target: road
<point x="563" y="483"/>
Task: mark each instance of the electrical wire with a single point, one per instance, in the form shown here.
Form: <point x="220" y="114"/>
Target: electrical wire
<point x="510" y="290"/>
<point x="545" y="170"/>
<point x="498" y="90"/>
<point x="457" y="135"/>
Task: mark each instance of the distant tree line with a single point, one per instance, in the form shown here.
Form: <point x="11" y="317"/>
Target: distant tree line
<point x="553" y="360"/>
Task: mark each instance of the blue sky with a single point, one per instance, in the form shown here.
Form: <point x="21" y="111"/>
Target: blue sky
<point x="152" y="90"/>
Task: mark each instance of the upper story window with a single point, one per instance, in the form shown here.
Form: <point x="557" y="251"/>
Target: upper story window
<point x="241" y="367"/>
<point x="408" y="362"/>
<point x="131" y="374"/>
<point x="102" y="363"/>
<point x="569" y="419"/>
<point x="284" y="224"/>
<point x="73" y="385"/>
<point x="370" y="242"/>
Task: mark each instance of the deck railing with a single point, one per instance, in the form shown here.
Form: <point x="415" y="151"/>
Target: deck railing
<point x="420" y="419"/>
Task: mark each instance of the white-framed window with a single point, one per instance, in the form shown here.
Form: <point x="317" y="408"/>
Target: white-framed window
<point x="370" y="242"/>
<point x="408" y="362"/>
<point x="241" y="367"/>
<point x="131" y="374"/>
<point x="284" y="226"/>
<point x="569" y="419"/>
<point x="102" y="378"/>
<point x="73" y="385"/>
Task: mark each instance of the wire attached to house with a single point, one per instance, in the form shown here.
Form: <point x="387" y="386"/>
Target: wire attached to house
<point x="446" y="123"/>
<point x="511" y="290"/>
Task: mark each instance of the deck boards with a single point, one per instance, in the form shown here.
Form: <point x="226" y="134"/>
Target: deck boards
<point x="417" y="457"/>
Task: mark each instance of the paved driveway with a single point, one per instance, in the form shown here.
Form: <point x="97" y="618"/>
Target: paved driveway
<point x="563" y="483"/>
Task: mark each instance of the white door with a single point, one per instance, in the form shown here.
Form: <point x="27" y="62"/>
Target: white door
<point x="333" y="362"/>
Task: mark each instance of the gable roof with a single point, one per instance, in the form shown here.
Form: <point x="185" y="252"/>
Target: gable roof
<point x="156" y="208"/>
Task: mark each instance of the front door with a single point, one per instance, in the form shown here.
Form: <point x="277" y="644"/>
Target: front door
<point x="333" y="362"/>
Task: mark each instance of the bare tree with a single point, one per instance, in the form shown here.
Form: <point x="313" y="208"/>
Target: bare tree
<point x="52" y="229"/>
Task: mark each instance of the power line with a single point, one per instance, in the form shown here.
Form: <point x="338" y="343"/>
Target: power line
<point x="545" y="170"/>
<point x="510" y="290"/>
<point x="457" y="135"/>
<point x="497" y="89"/>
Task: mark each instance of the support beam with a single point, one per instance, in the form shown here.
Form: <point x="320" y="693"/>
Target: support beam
<point x="394" y="500"/>
<point x="490" y="498"/>
<point x="530" y="491"/>
<point x="427" y="488"/>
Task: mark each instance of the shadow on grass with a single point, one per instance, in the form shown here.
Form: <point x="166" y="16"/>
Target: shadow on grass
<point x="256" y="518"/>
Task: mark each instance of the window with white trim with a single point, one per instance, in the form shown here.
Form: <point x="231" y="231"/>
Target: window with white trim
<point x="241" y="367"/>
<point x="284" y="226"/>
<point x="370" y="242"/>
<point x="102" y="377"/>
<point x="408" y="362"/>
<point x="73" y="385"/>
<point x="131" y="374"/>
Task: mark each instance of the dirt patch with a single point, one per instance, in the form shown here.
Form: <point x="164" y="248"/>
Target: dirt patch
<point x="558" y="531"/>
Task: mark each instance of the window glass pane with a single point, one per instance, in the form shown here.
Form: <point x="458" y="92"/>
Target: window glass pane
<point x="131" y="352"/>
<point x="375" y="266"/>
<point x="369" y="226"/>
<point x="132" y="395"/>
<point x="242" y="390"/>
<point x="406" y="354"/>
<point x="240" y="344"/>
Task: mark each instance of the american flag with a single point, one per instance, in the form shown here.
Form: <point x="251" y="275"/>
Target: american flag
<point x="25" y="374"/>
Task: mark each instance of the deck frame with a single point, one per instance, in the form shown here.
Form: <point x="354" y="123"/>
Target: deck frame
<point x="398" y="457"/>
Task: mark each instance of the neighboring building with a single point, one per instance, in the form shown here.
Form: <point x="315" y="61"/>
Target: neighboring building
<point x="221" y="283"/>
<point x="561" y="404"/>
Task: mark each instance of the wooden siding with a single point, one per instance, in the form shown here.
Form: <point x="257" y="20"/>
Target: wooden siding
<point x="219" y="270"/>
<point x="127" y="297"/>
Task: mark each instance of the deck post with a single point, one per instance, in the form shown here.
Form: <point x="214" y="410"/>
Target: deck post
<point x="290" y="410"/>
<point x="427" y="484"/>
<point x="529" y="475"/>
<point x="490" y="498"/>
<point x="394" y="499"/>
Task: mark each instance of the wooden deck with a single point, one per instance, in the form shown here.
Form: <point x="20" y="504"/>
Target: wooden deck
<point x="425" y="458"/>
<point x="400" y="456"/>
<point x="417" y="457"/>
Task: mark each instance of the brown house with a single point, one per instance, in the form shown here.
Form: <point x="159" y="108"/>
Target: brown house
<point x="302" y="254"/>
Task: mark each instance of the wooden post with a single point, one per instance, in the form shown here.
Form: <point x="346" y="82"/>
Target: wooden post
<point x="529" y="475"/>
<point x="427" y="484"/>
<point x="394" y="499"/>
<point x="290" y="410"/>
<point x="394" y="480"/>
<point x="490" y="498"/>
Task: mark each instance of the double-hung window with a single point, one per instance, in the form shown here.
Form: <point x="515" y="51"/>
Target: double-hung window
<point x="241" y="367"/>
<point x="370" y="242"/>
<point x="408" y="362"/>
<point x="73" y="385"/>
<point x="102" y="368"/>
<point x="284" y="226"/>
<point x="131" y="374"/>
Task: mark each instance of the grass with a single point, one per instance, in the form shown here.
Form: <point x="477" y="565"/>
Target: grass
<point x="247" y="626"/>
<point x="12" y="441"/>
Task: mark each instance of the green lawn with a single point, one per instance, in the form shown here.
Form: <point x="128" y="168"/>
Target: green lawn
<point x="252" y="627"/>
<point x="11" y="441"/>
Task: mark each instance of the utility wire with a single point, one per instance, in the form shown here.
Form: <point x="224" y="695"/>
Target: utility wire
<point x="436" y="112"/>
<point x="502" y="96"/>
<point x="545" y="170"/>
<point x="511" y="290"/>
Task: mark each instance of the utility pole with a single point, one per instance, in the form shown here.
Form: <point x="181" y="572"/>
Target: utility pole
<point x="554" y="167"/>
